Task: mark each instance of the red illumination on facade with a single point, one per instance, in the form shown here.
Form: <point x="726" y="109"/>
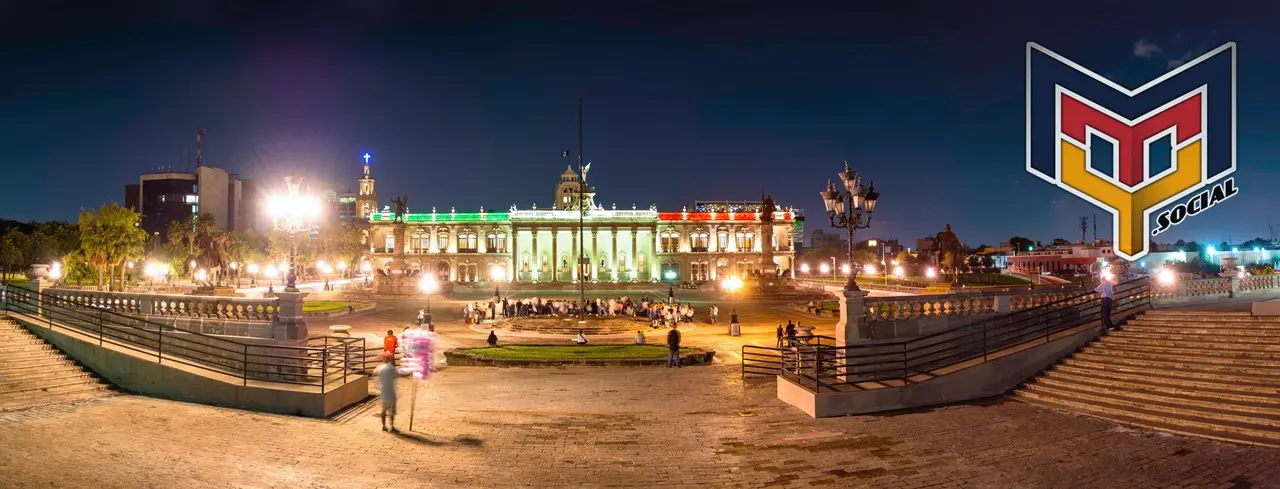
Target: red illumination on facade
<point x="719" y="216"/>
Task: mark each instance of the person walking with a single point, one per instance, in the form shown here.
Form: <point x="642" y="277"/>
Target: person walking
<point x="422" y="316"/>
<point x="1106" y="291"/>
<point x="673" y="344"/>
<point x="387" y="375"/>
<point x="715" y="314"/>
<point x="780" y="335"/>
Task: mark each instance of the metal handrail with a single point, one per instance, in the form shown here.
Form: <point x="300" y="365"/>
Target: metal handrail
<point x="896" y="362"/>
<point x="316" y="366"/>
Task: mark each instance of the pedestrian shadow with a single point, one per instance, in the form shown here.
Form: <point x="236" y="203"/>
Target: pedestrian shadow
<point x="428" y="441"/>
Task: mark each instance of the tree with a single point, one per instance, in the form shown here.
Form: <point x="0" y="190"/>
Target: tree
<point x="76" y="268"/>
<point x="109" y="238"/>
<point x="904" y="258"/>
<point x="52" y="240"/>
<point x="1020" y="243"/>
<point x="15" y="250"/>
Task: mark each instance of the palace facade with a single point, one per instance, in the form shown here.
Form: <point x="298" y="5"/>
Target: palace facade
<point x="620" y="246"/>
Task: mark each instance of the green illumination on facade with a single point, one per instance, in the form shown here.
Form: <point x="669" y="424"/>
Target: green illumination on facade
<point x="444" y="217"/>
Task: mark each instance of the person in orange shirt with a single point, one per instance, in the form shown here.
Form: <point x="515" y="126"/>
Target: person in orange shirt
<point x="389" y="344"/>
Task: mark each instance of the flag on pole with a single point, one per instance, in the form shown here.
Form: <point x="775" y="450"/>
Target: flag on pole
<point x="565" y="154"/>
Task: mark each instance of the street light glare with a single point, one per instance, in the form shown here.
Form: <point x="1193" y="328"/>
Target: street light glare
<point x="427" y="284"/>
<point x="824" y="268"/>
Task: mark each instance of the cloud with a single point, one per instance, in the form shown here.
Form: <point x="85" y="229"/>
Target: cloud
<point x="1188" y="56"/>
<point x="1144" y="49"/>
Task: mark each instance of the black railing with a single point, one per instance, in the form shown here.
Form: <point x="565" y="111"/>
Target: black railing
<point x="324" y="362"/>
<point x="820" y="366"/>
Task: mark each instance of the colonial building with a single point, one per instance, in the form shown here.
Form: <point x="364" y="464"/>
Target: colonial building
<point x="621" y="245"/>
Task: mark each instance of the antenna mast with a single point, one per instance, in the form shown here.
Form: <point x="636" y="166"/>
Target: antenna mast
<point x="199" y="133"/>
<point x="1084" y="228"/>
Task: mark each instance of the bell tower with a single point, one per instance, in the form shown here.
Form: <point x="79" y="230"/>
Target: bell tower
<point x="367" y="200"/>
<point x="567" y="192"/>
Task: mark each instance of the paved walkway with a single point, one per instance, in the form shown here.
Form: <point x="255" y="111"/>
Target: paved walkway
<point x="604" y="427"/>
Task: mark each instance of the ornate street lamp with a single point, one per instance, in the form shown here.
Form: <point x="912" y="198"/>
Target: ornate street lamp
<point x="427" y="284"/>
<point x="293" y="211"/>
<point x="850" y="208"/>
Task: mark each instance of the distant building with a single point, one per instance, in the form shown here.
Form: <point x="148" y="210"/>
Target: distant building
<point x="822" y="238"/>
<point x="926" y="245"/>
<point x="340" y="204"/>
<point x="164" y="197"/>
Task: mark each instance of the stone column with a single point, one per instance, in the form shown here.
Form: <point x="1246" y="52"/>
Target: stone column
<point x="537" y="260"/>
<point x="852" y="327"/>
<point x="595" y="253"/>
<point x="555" y="254"/>
<point x="515" y="253"/>
<point x="653" y="255"/>
<point x="289" y="323"/>
<point x="573" y="236"/>
<point x="635" y="255"/>
<point x="613" y="265"/>
<point x="766" y="238"/>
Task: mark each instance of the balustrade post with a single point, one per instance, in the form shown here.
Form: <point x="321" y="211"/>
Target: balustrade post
<point x="1235" y="287"/>
<point x="324" y="368"/>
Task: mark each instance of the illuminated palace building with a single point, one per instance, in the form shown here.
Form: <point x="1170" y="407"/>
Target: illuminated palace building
<point x="713" y="240"/>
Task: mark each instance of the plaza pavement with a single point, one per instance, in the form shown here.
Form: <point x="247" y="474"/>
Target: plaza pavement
<point x="603" y="427"/>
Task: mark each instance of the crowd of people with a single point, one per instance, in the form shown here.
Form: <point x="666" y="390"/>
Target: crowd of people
<point x="669" y="313"/>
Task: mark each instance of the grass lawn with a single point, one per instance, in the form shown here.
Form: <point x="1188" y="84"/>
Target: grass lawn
<point x="328" y="306"/>
<point x="15" y="278"/>
<point x="574" y="352"/>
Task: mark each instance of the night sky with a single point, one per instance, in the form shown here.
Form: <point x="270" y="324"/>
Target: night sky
<point x="468" y="106"/>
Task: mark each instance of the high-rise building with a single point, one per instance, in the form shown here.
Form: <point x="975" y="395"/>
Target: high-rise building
<point x="167" y="196"/>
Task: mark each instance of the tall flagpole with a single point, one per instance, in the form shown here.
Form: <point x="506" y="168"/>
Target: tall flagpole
<point x="582" y="213"/>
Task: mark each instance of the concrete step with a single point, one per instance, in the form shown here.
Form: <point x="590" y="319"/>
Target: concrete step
<point x="1247" y="377"/>
<point x="1206" y="428"/>
<point x="53" y="396"/>
<point x="1184" y="314"/>
<point x="45" y="380"/>
<point x="1224" y="392"/>
<point x="1246" y="331"/>
<point x="26" y="355"/>
<point x="51" y="386"/>
<point x="14" y="373"/>
<point x="1231" y="384"/>
<point x="1172" y="411"/>
<point x="1265" y="407"/>
<point x="52" y="356"/>
<point x="1207" y="338"/>
<point x="1200" y="355"/>
<point x="1220" y="347"/>
<point x="1208" y="323"/>
<point x="13" y="348"/>
<point x="1224" y="395"/>
<point x="1176" y="362"/>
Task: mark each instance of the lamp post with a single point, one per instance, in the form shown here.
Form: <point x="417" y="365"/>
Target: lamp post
<point x="55" y="272"/>
<point x="253" y="274"/>
<point x="234" y="266"/>
<point x="850" y="208"/>
<point x="293" y="211"/>
<point x="271" y="275"/>
<point x="497" y="274"/>
<point x="427" y="284"/>
<point x="732" y="284"/>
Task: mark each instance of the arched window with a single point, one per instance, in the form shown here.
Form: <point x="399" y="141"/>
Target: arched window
<point x="467" y="242"/>
<point x="442" y="241"/>
<point x="722" y="240"/>
<point x="670" y="241"/>
<point x="391" y="243"/>
<point x="496" y="243"/>
<point x="746" y="241"/>
<point x="698" y="241"/>
<point x="524" y="262"/>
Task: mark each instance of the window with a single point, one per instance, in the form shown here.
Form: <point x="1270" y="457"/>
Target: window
<point x="670" y="241"/>
<point x="722" y="240"/>
<point x="524" y="262"/>
<point x="496" y="243"/>
<point x="442" y="241"/>
<point x="746" y="241"/>
<point x="698" y="241"/>
<point x="391" y="243"/>
<point x="467" y="242"/>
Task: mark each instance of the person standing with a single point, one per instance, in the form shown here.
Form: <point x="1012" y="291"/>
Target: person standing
<point x="780" y="334"/>
<point x="387" y="375"/>
<point x="791" y="333"/>
<point x="715" y="314"/>
<point x="1106" y="291"/>
<point x="673" y="344"/>
<point x="422" y="316"/>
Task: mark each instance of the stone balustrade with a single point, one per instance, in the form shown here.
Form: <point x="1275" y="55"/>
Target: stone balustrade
<point x="174" y="306"/>
<point x="897" y="317"/>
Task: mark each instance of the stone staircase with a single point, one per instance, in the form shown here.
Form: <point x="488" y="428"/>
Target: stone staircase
<point x="1208" y="374"/>
<point x="33" y="373"/>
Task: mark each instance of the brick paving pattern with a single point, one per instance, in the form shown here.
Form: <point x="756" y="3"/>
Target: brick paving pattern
<point x="604" y="427"/>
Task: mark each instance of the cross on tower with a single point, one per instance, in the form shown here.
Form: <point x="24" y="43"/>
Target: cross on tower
<point x="366" y="158"/>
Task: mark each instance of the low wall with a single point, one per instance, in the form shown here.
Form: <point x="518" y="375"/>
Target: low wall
<point x="991" y="378"/>
<point x="135" y="372"/>
<point x="460" y="357"/>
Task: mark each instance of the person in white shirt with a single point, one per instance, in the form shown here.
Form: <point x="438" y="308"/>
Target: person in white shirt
<point x="580" y="339"/>
<point x="639" y="337"/>
<point x="387" y="375"/>
<point x="1106" y="291"/>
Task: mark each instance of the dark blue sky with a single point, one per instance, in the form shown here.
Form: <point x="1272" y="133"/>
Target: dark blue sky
<point x="465" y="106"/>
